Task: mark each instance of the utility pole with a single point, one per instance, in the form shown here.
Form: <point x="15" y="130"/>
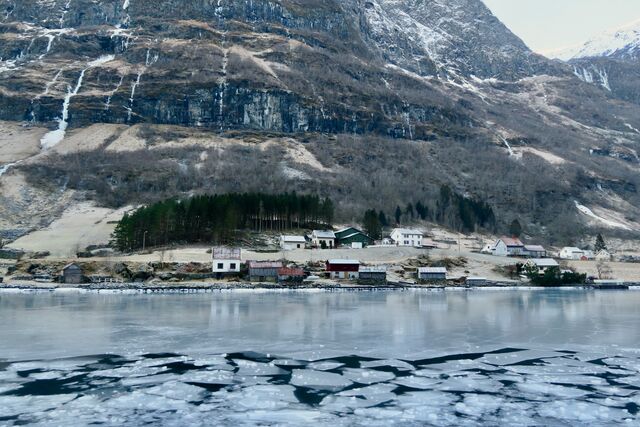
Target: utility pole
<point x="144" y="240"/>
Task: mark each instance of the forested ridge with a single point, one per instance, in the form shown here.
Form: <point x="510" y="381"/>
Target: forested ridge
<point x="216" y="218"/>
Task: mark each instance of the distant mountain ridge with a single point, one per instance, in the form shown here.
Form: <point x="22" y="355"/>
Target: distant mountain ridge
<point x="621" y="43"/>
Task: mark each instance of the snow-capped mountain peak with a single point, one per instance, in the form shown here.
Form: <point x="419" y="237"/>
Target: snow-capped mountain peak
<point x="623" y="42"/>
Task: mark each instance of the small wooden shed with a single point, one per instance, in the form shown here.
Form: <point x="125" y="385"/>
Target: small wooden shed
<point x="264" y="271"/>
<point x="432" y="273"/>
<point x="373" y="275"/>
<point x="72" y="274"/>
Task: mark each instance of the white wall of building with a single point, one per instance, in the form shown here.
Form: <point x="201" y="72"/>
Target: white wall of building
<point x="406" y="238"/>
<point x="226" y="265"/>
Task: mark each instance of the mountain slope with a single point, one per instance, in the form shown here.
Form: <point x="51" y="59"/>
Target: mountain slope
<point x="450" y="38"/>
<point x="378" y="103"/>
<point x="622" y="43"/>
<point x="610" y="61"/>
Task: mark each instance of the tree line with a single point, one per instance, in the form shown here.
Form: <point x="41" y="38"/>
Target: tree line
<point x="217" y="218"/>
<point x="451" y="210"/>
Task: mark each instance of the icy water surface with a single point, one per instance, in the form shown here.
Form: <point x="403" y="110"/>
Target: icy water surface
<point x="556" y="357"/>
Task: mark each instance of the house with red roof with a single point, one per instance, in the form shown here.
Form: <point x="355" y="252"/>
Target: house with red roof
<point x="508" y="246"/>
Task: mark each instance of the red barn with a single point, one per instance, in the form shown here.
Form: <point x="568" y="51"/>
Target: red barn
<point x="343" y="268"/>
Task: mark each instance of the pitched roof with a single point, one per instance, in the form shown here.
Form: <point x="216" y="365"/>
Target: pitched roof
<point x="572" y="249"/>
<point x="73" y="264"/>
<point x="324" y="234"/>
<point x="432" y="270"/>
<point x="408" y="231"/>
<point x="545" y="262"/>
<point x="378" y="269"/>
<point x="264" y="264"/>
<point x="535" y="248"/>
<point x="223" y="253"/>
<point x="290" y="271"/>
<point x="355" y="234"/>
<point x="295" y="239"/>
<point x="342" y="230"/>
<point x="344" y="262"/>
<point x="512" y="241"/>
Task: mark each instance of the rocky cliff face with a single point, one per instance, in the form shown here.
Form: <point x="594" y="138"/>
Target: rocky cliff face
<point x="443" y="72"/>
<point x="286" y="66"/>
<point x="279" y="66"/>
<point x="449" y="38"/>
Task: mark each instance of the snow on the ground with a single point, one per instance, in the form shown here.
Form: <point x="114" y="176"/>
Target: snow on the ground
<point x="609" y="222"/>
<point x="627" y="37"/>
<point x="544" y="155"/>
<point x="80" y="226"/>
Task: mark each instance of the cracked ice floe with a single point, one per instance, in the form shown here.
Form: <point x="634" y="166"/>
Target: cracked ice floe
<point x="393" y="363"/>
<point x="15" y="405"/>
<point x="250" y="368"/>
<point x="173" y="390"/>
<point x="319" y="380"/>
<point x="266" y="396"/>
<point x="325" y="366"/>
<point x="365" y="397"/>
<point x="367" y="376"/>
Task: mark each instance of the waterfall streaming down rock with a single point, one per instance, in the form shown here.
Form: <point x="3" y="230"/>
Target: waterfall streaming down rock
<point x="54" y="137"/>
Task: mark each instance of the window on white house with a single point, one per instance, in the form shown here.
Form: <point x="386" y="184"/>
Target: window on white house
<point x="232" y="266"/>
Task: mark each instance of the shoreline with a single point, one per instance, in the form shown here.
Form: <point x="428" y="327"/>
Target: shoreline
<point x="195" y="287"/>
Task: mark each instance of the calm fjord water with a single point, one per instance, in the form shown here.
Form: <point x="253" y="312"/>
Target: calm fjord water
<point x="529" y="357"/>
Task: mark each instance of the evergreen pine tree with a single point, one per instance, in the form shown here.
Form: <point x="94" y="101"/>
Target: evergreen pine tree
<point x="383" y="219"/>
<point x="515" y="229"/>
<point x="600" y="245"/>
<point x="371" y="225"/>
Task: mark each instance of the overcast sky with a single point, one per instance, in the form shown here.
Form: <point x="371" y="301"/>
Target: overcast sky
<point x="547" y="25"/>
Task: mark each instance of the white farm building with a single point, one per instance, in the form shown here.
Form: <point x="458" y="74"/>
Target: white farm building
<point x="289" y="243"/>
<point x="407" y="237"/>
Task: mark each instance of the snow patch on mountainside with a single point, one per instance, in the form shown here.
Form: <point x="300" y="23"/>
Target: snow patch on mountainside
<point x="623" y="41"/>
<point x="594" y="75"/>
<point x="611" y="223"/>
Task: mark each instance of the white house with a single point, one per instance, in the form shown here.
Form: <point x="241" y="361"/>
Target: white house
<point x="323" y="239"/>
<point x="572" y="253"/>
<point x="603" y="255"/>
<point x="543" y="264"/>
<point x="226" y="260"/>
<point x="508" y="246"/>
<point x="407" y="237"/>
<point x="289" y="243"/>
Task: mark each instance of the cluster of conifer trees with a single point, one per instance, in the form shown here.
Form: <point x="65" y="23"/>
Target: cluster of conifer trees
<point x="216" y="218"/>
